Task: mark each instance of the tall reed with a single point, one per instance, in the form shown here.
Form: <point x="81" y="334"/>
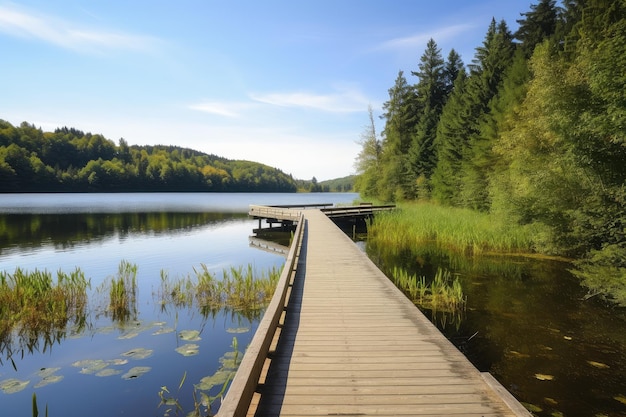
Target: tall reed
<point x="462" y="230"/>
<point x="241" y="289"/>
<point x="442" y="293"/>
<point x="33" y="305"/>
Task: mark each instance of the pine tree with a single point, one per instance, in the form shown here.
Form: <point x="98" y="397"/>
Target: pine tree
<point x="539" y="24"/>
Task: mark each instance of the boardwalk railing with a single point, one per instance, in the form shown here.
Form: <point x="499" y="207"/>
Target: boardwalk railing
<point x="243" y="386"/>
<point x="273" y="212"/>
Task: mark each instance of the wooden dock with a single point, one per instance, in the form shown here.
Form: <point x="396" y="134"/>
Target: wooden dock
<point x="347" y="342"/>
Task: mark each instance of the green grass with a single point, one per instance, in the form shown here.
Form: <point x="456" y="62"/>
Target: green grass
<point x="456" y="229"/>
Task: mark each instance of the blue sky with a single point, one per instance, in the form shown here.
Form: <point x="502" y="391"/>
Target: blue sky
<point x="286" y="83"/>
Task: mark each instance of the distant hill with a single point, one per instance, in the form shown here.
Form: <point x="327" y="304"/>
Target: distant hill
<point x="340" y="185"/>
<point x="69" y="160"/>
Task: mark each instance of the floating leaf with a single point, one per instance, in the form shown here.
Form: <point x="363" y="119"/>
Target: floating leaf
<point x="189" y="349"/>
<point x="118" y="362"/>
<point x="620" y="398"/>
<point x="108" y="372"/>
<point x="49" y="379"/>
<point x="163" y="330"/>
<point x="598" y="365"/>
<point x="557" y="414"/>
<point x="567" y="337"/>
<point x="128" y="335"/>
<point x="218" y="378"/>
<point x="551" y="401"/>
<point x="12" y="385"/>
<point x="44" y="372"/>
<point x="517" y="354"/>
<point x="190" y="335"/>
<point x="544" y="377"/>
<point x="90" y="366"/>
<point x="236" y="330"/>
<point x="532" y="407"/>
<point x="136" y="372"/>
<point x="139" y="353"/>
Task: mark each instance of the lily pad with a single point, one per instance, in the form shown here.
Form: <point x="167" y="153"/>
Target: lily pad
<point x="532" y="407"/>
<point x="49" y="379"/>
<point x="190" y="335"/>
<point x="118" y="362"/>
<point x="136" y="372"/>
<point x="190" y="349"/>
<point x="108" y="372"/>
<point x="128" y="335"/>
<point x="598" y="365"/>
<point x="90" y="366"/>
<point x="544" y="377"/>
<point x="620" y="398"/>
<point x="237" y="330"/>
<point x="218" y="378"/>
<point x="12" y="385"/>
<point x="163" y="330"/>
<point x="139" y="353"/>
<point x="44" y="372"/>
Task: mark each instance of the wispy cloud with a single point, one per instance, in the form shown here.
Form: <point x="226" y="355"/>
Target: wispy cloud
<point x="65" y="34"/>
<point x="345" y="101"/>
<point x="227" y="109"/>
<point x="419" y="40"/>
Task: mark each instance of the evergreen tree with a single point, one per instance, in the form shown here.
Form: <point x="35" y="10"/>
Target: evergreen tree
<point x="488" y="68"/>
<point x="368" y="162"/>
<point x="431" y="96"/>
<point x="399" y="114"/>
<point x="539" y="24"/>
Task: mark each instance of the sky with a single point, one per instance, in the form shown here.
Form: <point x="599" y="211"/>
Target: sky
<point x="286" y="83"/>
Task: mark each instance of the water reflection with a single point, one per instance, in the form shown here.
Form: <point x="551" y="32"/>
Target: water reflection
<point x="64" y="231"/>
<point x="529" y="324"/>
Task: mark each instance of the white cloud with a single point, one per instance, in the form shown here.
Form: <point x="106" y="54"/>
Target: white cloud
<point x="419" y="40"/>
<point x="345" y="101"/>
<point x="65" y="34"/>
<point x="228" y="109"/>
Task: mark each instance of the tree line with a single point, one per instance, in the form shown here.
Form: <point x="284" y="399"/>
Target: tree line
<point x="532" y="129"/>
<point x="69" y="160"/>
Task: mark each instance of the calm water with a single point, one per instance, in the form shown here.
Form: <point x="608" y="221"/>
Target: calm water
<point x="174" y="233"/>
<point x="526" y="321"/>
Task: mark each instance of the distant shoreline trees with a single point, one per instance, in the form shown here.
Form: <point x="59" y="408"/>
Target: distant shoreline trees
<point x="69" y="160"/>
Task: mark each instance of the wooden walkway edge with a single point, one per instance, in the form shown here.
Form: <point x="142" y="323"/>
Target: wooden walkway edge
<point x="351" y="344"/>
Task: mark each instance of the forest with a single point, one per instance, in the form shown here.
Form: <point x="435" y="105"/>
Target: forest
<point x="532" y="130"/>
<point x="69" y="160"/>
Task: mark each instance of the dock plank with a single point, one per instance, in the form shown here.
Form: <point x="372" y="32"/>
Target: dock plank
<point x="353" y="345"/>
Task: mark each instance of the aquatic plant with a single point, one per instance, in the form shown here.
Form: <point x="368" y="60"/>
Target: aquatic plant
<point x="34" y="307"/>
<point x="238" y="289"/>
<point x="442" y="293"/>
<point x="122" y="291"/>
<point x="204" y="403"/>
<point x="463" y="230"/>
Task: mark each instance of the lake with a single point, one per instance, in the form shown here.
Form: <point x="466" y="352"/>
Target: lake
<point x="87" y="371"/>
<point x="527" y="321"/>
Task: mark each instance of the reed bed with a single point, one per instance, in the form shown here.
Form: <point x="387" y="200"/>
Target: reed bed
<point x="457" y="229"/>
<point x="441" y="293"/>
<point x="240" y="289"/>
<point x="122" y="291"/>
<point x="34" y="304"/>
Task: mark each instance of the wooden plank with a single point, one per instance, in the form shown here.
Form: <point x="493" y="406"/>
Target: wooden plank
<point x="352" y="344"/>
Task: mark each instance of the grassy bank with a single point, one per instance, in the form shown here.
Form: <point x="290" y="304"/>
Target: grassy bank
<point x="455" y="229"/>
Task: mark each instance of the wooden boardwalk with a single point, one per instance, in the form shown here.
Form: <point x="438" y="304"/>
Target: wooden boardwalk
<point x="353" y="345"/>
